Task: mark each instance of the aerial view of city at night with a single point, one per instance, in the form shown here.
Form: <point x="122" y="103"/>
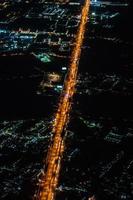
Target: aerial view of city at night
<point x="66" y="109"/>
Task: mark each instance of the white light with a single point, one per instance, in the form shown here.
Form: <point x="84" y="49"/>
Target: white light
<point x="64" y="68"/>
<point x="59" y="86"/>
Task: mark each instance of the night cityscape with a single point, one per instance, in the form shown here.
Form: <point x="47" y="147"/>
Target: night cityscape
<point x="66" y="83"/>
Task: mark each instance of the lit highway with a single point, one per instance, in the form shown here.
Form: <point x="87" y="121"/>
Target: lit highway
<point x="49" y="179"/>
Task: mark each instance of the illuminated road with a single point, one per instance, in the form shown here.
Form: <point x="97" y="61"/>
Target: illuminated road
<point x="49" y="180"/>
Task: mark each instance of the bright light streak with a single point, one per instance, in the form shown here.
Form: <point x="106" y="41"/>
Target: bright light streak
<point x="49" y="180"/>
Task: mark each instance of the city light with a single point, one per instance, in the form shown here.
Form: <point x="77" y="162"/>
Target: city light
<point x="49" y="181"/>
<point x="66" y="82"/>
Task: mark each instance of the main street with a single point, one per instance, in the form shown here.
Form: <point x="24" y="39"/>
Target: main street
<point x="49" y="180"/>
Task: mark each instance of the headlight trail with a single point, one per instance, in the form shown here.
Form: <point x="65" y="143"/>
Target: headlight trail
<point x="49" y="180"/>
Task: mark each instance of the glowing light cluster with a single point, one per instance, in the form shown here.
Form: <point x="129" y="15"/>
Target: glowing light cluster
<point x="49" y="180"/>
